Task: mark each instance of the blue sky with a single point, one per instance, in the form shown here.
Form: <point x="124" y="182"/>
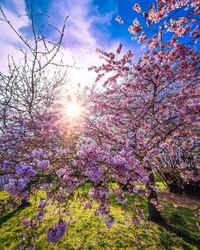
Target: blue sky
<point x="91" y="24"/>
<point x="99" y="15"/>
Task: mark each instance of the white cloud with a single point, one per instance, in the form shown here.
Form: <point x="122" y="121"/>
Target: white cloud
<point x="80" y="41"/>
<point x="10" y="43"/>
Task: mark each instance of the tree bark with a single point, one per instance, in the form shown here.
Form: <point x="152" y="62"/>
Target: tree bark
<point x="154" y="213"/>
<point x="174" y="187"/>
<point x="192" y="189"/>
<point x="24" y="203"/>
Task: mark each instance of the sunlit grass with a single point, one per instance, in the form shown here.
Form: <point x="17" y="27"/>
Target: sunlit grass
<point x="87" y="231"/>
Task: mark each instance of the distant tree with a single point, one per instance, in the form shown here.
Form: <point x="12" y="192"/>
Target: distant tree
<point x="177" y="166"/>
<point x="34" y="84"/>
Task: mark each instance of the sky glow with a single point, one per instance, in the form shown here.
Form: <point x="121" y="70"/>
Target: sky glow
<point x="73" y="109"/>
<point x="91" y="25"/>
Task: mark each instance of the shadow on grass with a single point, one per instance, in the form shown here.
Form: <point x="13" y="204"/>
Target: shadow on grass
<point x="14" y="212"/>
<point x="181" y="222"/>
<point x="181" y="233"/>
<point x="178" y="222"/>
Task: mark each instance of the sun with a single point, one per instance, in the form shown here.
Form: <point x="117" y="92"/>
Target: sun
<point x="73" y="109"/>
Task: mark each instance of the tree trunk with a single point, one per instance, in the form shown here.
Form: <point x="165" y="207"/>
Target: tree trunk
<point x="154" y="214"/>
<point x="175" y="187"/>
<point x="192" y="188"/>
<point x="24" y="203"/>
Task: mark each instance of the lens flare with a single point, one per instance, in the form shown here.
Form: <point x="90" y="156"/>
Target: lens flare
<point x="73" y="109"/>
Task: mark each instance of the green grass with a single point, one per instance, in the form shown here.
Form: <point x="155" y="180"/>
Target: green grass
<point x="183" y="221"/>
<point x="161" y="185"/>
<point x="87" y="231"/>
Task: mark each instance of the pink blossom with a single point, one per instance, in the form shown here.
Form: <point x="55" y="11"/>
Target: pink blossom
<point x="28" y="222"/>
<point x="119" y="19"/>
<point x="15" y="187"/>
<point x="137" y="7"/>
<point x="25" y="171"/>
<point x="37" y="153"/>
<point x="144" y="180"/>
<point x="109" y="221"/>
<point x="119" y="49"/>
<point x="54" y="234"/>
<point x="42" y="204"/>
<point x="135" y="28"/>
<point x="94" y="174"/>
<point x="43" y="164"/>
<point x="142" y="37"/>
<point x="87" y="205"/>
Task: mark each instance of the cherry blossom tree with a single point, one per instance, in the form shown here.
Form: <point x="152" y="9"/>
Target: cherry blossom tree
<point x="41" y="154"/>
<point x="134" y="113"/>
<point x="154" y="102"/>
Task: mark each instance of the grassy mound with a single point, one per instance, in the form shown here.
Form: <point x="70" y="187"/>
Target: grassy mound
<point x="87" y="231"/>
